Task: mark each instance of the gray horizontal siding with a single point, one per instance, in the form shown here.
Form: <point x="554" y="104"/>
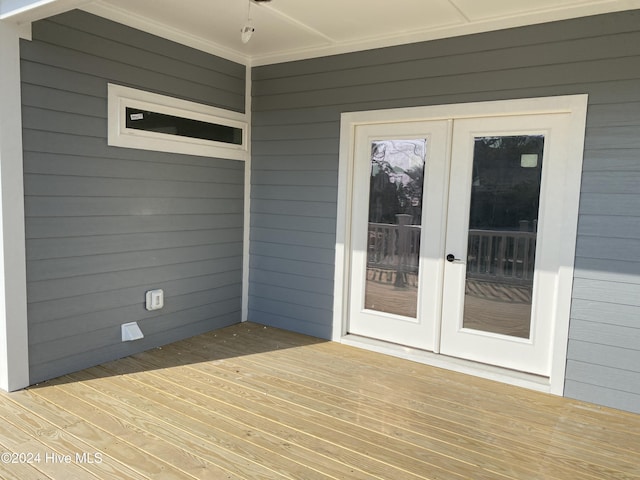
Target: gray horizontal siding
<point x="626" y="315"/>
<point x="130" y="168"/>
<point x="310" y="225"/>
<point x="616" y="204"/>
<point x="514" y="61"/>
<point x="609" y="248"/>
<point x="44" y="290"/>
<point x="105" y="224"/>
<point x="68" y="186"/>
<point x="47" y="248"/>
<point x="51" y="269"/>
<point x="524" y="78"/>
<point x="620" y="271"/>
<point x="108" y="225"/>
<point x="604" y="339"/>
<point x="603" y="225"/>
<point x="550" y="34"/>
<point x="83" y="43"/>
<point x="296" y="115"/>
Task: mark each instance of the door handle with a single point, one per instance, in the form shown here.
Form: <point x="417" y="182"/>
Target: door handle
<point x="452" y="258"/>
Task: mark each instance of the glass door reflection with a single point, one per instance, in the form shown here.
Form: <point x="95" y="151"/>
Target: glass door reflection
<point x="505" y="196"/>
<point x="394" y="226"/>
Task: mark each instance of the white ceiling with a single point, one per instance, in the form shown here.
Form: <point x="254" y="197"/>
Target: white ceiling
<point x="295" y="29"/>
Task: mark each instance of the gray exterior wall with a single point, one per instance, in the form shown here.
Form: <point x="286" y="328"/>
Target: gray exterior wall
<point x="296" y="114"/>
<point x="106" y="224"/>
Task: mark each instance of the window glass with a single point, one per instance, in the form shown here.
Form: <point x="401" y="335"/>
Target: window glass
<point x="184" y="127"/>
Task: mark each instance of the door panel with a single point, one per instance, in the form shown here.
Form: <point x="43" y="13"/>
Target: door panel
<point x="498" y="299"/>
<point x="397" y="231"/>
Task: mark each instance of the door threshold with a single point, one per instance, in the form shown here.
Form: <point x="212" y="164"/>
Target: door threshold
<point x="490" y="372"/>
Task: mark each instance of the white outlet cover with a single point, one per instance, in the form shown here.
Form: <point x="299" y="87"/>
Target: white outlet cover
<point x="154" y="299"/>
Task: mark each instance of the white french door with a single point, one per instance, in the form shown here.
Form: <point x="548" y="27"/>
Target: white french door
<point x="503" y="240"/>
<point x="398" y="213"/>
<point x="456" y="236"/>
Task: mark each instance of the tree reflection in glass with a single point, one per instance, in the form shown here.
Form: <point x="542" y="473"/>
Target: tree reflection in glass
<point x="395" y="211"/>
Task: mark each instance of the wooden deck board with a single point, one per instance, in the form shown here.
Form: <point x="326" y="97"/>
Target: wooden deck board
<point x="41" y="444"/>
<point x="166" y="443"/>
<point x="249" y="402"/>
<point x="506" y="455"/>
<point x="331" y="402"/>
<point x="238" y="446"/>
<point x="526" y="403"/>
<point x="486" y="434"/>
<point x="261" y="412"/>
<point x="71" y="429"/>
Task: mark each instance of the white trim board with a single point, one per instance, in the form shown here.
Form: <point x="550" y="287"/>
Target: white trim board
<point x="246" y="241"/>
<point x="574" y="105"/>
<point x="14" y="344"/>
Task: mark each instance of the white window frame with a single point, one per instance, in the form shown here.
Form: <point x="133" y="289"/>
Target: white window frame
<point x="120" y="97"/>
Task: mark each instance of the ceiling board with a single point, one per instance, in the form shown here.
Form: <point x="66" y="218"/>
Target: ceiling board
<point x="485" y="9"/>
<point x="361" y="19"/>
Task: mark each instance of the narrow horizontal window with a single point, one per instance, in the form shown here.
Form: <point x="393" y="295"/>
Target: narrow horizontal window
<point x="182" y="127"/>
<point x="149" y="121"/>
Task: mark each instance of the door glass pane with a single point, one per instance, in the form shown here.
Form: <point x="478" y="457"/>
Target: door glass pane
<point x="505" y="195"/>
<point x="395" y="210"/>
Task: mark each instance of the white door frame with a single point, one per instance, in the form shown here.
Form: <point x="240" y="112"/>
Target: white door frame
<point x="576" y="106"/>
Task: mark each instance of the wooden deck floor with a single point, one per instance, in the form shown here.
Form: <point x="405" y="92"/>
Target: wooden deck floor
<point x="250" y="402"/>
